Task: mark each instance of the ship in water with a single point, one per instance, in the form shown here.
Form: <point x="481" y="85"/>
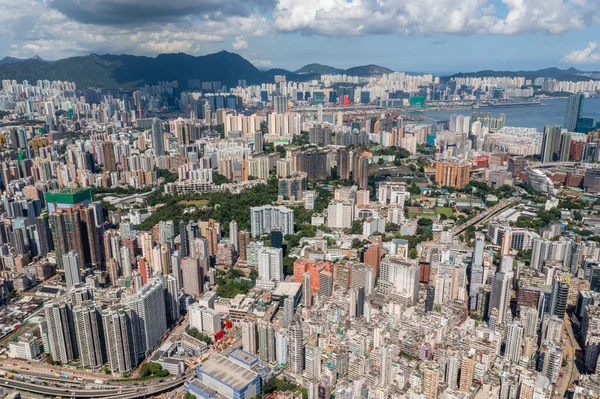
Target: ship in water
<point x="507" y="104"/>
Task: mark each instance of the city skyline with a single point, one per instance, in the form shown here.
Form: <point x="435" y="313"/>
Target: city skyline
<point x="507" y="35"/>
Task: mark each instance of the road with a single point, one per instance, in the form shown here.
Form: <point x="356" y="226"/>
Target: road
<point x="121" y="392"/>
<point x="500" y="206"/>
<point x="571" y="373"/>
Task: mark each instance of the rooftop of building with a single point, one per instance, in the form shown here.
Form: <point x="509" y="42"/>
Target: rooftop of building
<point x="228" y="372"/>
<point x="287" y="289"/>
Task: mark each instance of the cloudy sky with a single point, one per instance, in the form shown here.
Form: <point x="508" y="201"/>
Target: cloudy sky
<point x="407" y="35"/>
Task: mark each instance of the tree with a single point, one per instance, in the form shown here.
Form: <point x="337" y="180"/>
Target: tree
<point x="425" y="222"/>
<point x="301" y="139"/>
<point x="264" y="127"/>
<point x="413" y="253"/>
<point x="194" y="332"/>
<point x="166" y="174"/>
<point x="189" y="396"/>
<point x="292" y="239"/>
<point x="152" y="368"/>
<point x="288" y="265"/>
<point x="219" y="179"/>
<point x="402" y="153"/>
<point x="253" y="275"/>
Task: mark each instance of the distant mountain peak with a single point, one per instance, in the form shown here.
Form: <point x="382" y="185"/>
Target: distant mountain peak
<point x="368" y="70"/>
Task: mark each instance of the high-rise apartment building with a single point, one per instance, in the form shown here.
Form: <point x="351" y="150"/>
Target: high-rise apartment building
<point x="108" y="156"/>
<point x="514" y="341"/>
<point x="266" y="341"/>
<point x="264" y="218"/>
<point x="573" y="111"/>
<point x="551" y="144"/>
<point x="249" y="336"/>
<point x="280" y="104"/>
<point x="90" y="334"/>
<point x="501" y="290"/>
<point x="306" y="290"/>
<point x="400" y="277"/>
<point x="193" y="276"/>
<point x="467" y="367"/>
<point x="71" y="266"/>
<point x="157" y="137"/>
<point x="233" y="235"/>
<point x="312" y="362"/>
<point x="270" y="267"/>
<point x="149" y="320"/>
<point x="452" y="174"/>
<point x="61" y="331"/>
<point x="430" y="383"/>
<point x="296" y="352"/>
<point x="118" y="339"/>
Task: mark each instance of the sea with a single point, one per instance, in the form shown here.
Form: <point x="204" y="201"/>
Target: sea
<point x="551" y="113"/>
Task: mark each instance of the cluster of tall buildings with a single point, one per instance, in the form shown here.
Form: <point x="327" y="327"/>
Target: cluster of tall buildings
<point x="121" y="335"/>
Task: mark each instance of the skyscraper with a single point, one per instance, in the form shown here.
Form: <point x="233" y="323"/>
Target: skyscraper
<point x="266" y="341"/>
<point x="280" y="104"/>
<point x="343" y="164"/>
<point x="573" y="111"/>
<point x="75" y="229"/>
<point x="70" y="262"/>
<point x="89" y="334"/>
<point x="44" y="235"/>
<point x="149" y="319"/>
<point x="399" y="276"/>
<point x="243" y="241"/>
<point x="452" y="174"/>
<point x="171" y="299"/>
<point x="312" y="362"/>
<point x="296" y="342"/>
<point x="249" y="336"/>
<point x="387" y="354"/>
<point x="560" y="294"/>
<point x="264" y="218"/>
<point x="430" y="383"/>
<point x="551" y="144"/>
<point x="61" y="331"/>
<point x="360" y="171"/>
<point x="306" y="290"/>
<point x="501" y="290"/>
<point x="270" y="267"/>
<point x="233" y="235"/>
<point x="108" y="155"/>
<point x="467" y="367"/>
<point x="514" y="341"/>
<point x="118" y="339"/>
<point x="259" y="141"/>
<point x="193" y="276"/>
<point x="288" y="310"/>
<point x="157" y="137"/>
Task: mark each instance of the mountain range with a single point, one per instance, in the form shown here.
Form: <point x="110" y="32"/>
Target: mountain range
<point x="13" y="60"/>
<point x="571" y="74"/>
<point x="128" y="72"/>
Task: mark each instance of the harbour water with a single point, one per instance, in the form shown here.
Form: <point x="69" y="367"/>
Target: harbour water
<point x="551" y="113"/>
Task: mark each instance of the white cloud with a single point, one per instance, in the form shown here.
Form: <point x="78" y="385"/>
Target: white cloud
<point x="33" y="28"/>
<point x="59" y="28"/>
<point x="421" y="17"/>
<point x="588" y="55"/>
<point x="261" y="63"/>
<point x="239" y="43"/>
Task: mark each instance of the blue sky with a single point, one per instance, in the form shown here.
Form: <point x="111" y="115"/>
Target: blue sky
<point x="438" y="36"/>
